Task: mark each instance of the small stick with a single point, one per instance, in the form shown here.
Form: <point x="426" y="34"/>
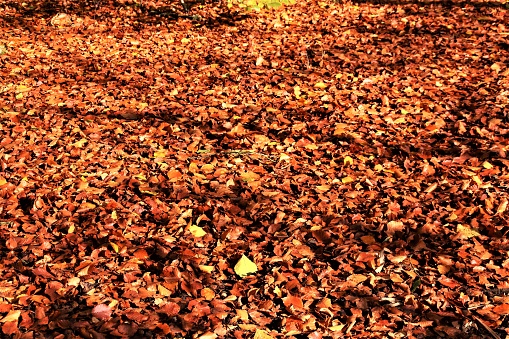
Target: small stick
<point x="496" y="336"/>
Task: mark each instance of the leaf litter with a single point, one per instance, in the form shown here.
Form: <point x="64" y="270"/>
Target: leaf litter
<point x="320" y="170"/>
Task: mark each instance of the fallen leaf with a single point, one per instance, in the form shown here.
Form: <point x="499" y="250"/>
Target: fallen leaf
<point x="348" y="160"/>
<point x="10" y="327"/>
<point x="261" y="334"/>
<point x="245" y="267"/>
<point x="249" y="176"/>
<point x="465" y="232"/>
<point x="13" y="315"/>
<point x="356" y="279"/>
<point x="502" y="207"/>
<point x="321" y="85"/>
<point x="102" y="312"/>
<point x="208" y="335"/>
<point x="347" y="180"/>
<point x="502" y="309"/>
<point x="197" y="231"/>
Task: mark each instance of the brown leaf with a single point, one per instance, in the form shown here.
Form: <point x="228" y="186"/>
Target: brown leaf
<point x="448" y="282"/>
<point x="41" y="272"/>
<point x="356" y="279"/>
<point x="102" y="312"/>
<point x="171" y="309"/>
<point x="394" y="226"/>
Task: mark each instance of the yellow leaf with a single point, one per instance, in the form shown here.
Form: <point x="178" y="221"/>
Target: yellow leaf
<point x="2" y="181"/>
<point x="245" y="267"/>
<point x="193" y="167"/>
<point x="348" y="160"/>
<point x="207" y="168"/>
<point x="283" y="156"/>
<point x="243" y="315"/>
<point x="495" y="67"/>
<point x="487" y="165"/>
<point x="197" y="231"/>
<point x="80" y="143"/>
<point x="148" y="192"/>
<point x="74" y="281"/>
<point x="379" y="167"/>
<point x="160" y="153"/>
<point x="249" y="176"/>
<point x="467" y="232"/>
<point x="11" y="316"/>
<point x="141" y="176"/>
<point x="452" y="217"/>
<point x="19" y="96"/>
<point x="71" y="229"/>
<point x="115" y="247"/>
<point x="477" y="180"/>
<point x="23" y="88"/>
<point x="321" y="85"/>
<point x="337" y="328"/>
<point x="322" y="188"/>
<point x="347" y="180"/>
<point x="185" y="40"/>
<point x="163" y="291"/>
<point x="206" y="268"/>
<point x="261" y="334"/>
<point x="296" y="91"/>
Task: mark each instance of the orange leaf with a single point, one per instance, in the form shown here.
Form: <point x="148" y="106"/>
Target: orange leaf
<point x="448" y="282"/>
<point x="294" y="301"/>
<point x="174" y="174"/>
<point x="141" y="254"/>
<point x="356" y="279"/>
<point x="10" y="327"/>
<point x="502" y="309"/>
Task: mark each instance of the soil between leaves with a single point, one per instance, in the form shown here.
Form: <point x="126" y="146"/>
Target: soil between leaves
<point x="356" y="152"/>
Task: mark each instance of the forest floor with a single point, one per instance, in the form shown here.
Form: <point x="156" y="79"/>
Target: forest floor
<point x="318" y="170"/>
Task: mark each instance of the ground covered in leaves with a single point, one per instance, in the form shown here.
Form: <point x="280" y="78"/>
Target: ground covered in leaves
<point x="320" y="170"/>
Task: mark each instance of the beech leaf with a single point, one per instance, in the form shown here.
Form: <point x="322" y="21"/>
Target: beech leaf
<point x="197" y="231"/>
<point x="11" y="316"/>
<point x="245" y="267"/>
<point x="102" y="312"/>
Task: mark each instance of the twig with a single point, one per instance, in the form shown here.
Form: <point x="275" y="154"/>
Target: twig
<point x="496" y="336"/>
